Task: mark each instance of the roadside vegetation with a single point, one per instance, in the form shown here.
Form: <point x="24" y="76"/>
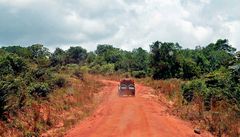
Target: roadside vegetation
<point x="39" y="94"/>
<point x="203" y="82"/>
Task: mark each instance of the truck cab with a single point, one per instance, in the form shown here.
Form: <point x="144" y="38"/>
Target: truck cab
<point x="126" y="87"/>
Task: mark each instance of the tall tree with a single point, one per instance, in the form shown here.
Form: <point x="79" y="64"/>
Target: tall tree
<point x="164" y="61"/>
<point x="39" y="51"/>
<point x="109" y="53"/>
<point x="140" y="60"/>
<point x="58" y="57"/>
<point x="76" y="55"/>
<point x="20" y="51"/>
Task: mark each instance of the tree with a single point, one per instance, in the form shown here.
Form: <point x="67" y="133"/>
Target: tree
<point x="164" y="60"/>
<point x="140" y="60"/>
<point x="20" y="51"/>
<point x="190" y="69"/>
<point x="219" y="54"/>
<point x="109" y="53"/>
<point x="91" y="56"/>
<point x="124" y="65"/>
<point x="76" y="55"/>
<point x="103" y="48"/>
<point x="197" y="57"/>
<point x="220" y="45"/>
<point x="39" y="51"/>
<point x="58" y="57"/>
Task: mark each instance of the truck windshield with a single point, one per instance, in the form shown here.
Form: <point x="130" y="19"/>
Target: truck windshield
<point x="123" y="86"/>
<point x="131" y="87"/>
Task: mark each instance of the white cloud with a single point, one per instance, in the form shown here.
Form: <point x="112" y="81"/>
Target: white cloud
<point x="124" y="23"/>
<point x="17" y="3"/>
<point x="234" y="32"/>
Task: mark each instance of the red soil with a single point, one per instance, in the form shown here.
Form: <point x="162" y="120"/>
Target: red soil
<point x="138" y="116"/>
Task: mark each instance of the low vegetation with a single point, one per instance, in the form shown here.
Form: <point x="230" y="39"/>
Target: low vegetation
<point x="37" y="97"/>
<point x="203" y="82"/>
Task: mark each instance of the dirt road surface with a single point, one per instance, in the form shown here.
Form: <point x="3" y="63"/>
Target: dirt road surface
<point x="138" y="116"/>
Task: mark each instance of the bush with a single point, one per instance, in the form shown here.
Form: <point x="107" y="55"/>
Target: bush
<point x="39" y="89"/>
<point x="139" y="74"/>
<point x="12" y="64"/>
<point x="85" y="69"/>
<point x="190" y="69"/>
<point x="78" y="74"/>
<point x="103" y="69"/>
<point x="12" y="93"/>
<point x="60" y="82"/>
<point x="195" y="87"/>
<point x="107" y="69"/>
<point x="187" y="92"/>
<point x="42" y="75"/>
<point x="95" y="69"/>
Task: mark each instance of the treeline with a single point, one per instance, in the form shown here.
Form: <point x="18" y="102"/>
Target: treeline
<point x="212" y="71"/>
<point x="28" y="72"/>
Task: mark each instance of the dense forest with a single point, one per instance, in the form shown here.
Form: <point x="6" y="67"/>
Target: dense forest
<point x="211" y="72"/>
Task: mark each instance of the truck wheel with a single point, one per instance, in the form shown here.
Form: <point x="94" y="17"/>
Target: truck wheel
<point x="133" y="94"/>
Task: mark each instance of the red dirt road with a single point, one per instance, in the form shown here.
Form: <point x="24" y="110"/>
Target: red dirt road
<point x="138" y="116"/>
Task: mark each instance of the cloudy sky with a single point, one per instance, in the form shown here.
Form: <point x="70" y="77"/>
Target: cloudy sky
<point x="123" y="23"/>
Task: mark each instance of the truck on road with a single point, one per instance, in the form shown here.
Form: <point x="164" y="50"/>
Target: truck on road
<point x="126" y="87"/>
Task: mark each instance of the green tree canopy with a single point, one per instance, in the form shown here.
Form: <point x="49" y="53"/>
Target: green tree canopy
<point x="39" y="51"/>
<point x="76" y="55"/>
<point x="164" y="60"/>
<point x="58" y="57"/>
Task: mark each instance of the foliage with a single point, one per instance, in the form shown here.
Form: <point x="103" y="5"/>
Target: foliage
<point x="20" y="51"/>
<point x="107" y="69"/>
<point x="78" y="74"/>
<point x="38" y="51"/>
<point x="12" y="94"/>
<point x="164" y="60"/>
<point x="190" y="69"/>
<point x="220" y="45"/>
<point x="213" y="71"/>
<point x="91" y="56"/>
<point x="194" y="88"/>
<point x="140" y="60"/>
<point x="76" y="55"/>
<point x="12" y="64"/>
<point x="103" y="69"/>
<point x="40" y="89"/>
<point x="60" y="82"/>
<point x="139" y="74"/>
<point x="58" y="57"/>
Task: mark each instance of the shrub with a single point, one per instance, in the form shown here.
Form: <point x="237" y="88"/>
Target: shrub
<point x="12" y="93"/>
<point x="103" y="69"/>
<point x="42" y="75"/>
<point x="107" y="69"/>
<point x="139" y="74"/>
<point x="78" y="74"/>
<point x="85" y="69"/>
<point x="39" y="89"/>
<point x="95" y="69"/>
<point x="60" y="82"/>
<point x="12" y="64"/>
<point x="190" y="69"/>
<point x="187" y="92"/>
<point x="195" y="87"/>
